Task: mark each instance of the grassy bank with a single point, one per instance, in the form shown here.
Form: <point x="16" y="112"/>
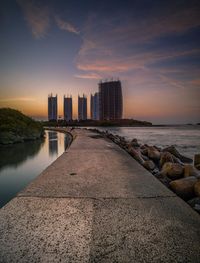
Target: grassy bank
<point x="16" y="127"/>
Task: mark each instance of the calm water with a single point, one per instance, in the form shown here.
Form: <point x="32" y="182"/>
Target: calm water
<point x="185" y="138"/>
<point x="21" y="163"/>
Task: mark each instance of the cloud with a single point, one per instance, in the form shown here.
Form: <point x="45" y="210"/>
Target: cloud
<point x="88" y="76"/>
<point x="24" y="99"/>
<point x="196" y="82"/>
<point x="63" y="25"/>
<point x="149" y="51"/>
<point x="37" y="17"/>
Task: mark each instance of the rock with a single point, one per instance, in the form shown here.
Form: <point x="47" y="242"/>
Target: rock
<point x="149" y="165"/>
<point x="189" y="170"/>
<point x="144" y="150"/>
<point x="167" y="157"/>
<point x="155" y="171"/>
<point x="197" y="188"/>
<point x="144" y="157"/>
<point x="184" y="187"/>
<point x="153" y="153"/>
<point x="195" y="203"/>
<point x="175" y="152"/>
<point x="157" y="148"/>
<point x="163" y="178"/>
<point x="197" y="166"/>
<point x="197" y="161"/>
<point x="172" y="170"/>
<point x="134" y="143"/>
<point x="136" y="154"/>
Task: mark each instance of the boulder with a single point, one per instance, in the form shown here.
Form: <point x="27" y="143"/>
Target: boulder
<point x="144" y="157"/>
<point x="155" y="171"/>
<point x="195" y="203"/>
<point x="149" y="165"/>
<point x="197" y="188"/>
<point x="163" y="178"/>
<point x="134" y="143"/>
<point x="190" y="170"/>
<point x="175" y="152"/>
<point x="136" y="154"/>
<point x="168" y="157"/>
<point x="184" y="187"/>
<point x="197" y="161"/>
<point x="197" y="166"/>
<point x="144" y="150"/>
<point x="173" y="170"/>
<point x="157" y="148"/>
<point x="153" y="153"/>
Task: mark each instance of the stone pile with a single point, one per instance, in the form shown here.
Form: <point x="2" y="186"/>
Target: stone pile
<point x="169" y="166"/>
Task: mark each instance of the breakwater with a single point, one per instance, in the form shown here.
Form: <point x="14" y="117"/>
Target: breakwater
<point x="173" y="169"/>
<point x="95" y="203"/>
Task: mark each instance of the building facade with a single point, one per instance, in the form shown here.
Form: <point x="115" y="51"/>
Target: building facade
<point x="110" y="100"/>
<point x="82" y="108"/>
<point x="94" y="106"/>
<point x="52" y="108"/>
<point x="67" y="110"/>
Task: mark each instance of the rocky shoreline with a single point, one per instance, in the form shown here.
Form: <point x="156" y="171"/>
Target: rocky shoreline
<point x="176" y="171"/>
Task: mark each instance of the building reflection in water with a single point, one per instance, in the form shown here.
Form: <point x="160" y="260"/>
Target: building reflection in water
<point x="53" y="143"/>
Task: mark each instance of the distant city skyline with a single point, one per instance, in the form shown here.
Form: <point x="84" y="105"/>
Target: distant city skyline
<point x="66" y="47"/>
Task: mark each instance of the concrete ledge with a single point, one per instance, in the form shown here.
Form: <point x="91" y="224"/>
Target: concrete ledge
<point x="96" y="204"/>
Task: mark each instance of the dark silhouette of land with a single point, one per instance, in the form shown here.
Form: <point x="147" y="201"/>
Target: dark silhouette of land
<point x="93" y="123"/>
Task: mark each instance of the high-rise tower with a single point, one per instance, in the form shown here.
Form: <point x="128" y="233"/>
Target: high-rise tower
<point x="110" y="100"/>
<point x="82" y="108"/>
<point x="94" y="106"/>
<point x="67" y="108"/>
<point x="52" y="108"/>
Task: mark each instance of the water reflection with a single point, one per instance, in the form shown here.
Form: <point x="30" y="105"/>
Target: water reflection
<point x="21" y="163"/>
<point x="53" y="143"/>
<point x="14" y="155"/>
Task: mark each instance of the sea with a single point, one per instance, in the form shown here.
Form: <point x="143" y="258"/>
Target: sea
<point x="185" y="138"/>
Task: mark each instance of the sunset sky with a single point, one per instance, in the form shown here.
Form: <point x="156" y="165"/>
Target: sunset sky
<point x="66" y="47"/>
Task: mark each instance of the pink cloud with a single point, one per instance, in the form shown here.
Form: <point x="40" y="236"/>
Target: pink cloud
<point x="36" y="16"/>
<point x="64" y="25"/>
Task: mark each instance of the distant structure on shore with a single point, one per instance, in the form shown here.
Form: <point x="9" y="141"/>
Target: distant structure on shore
<point x="52" y="107"/>
<point x="67" y="108"/>
<point x="110" y="100"/>
<point x="82" y="108"/>
<point x="105" y="105"/>
<point x="94" y="106"/>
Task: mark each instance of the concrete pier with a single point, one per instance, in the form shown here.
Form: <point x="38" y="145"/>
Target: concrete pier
<point x="97" y="204"/>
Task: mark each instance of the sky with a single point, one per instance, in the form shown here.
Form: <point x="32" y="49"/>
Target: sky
<point x="66" y="47"/>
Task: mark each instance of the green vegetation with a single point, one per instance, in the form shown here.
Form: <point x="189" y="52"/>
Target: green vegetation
<point x="17" y="127"/>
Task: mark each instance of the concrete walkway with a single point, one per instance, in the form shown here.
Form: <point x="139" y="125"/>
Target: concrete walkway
<point x="96" y="204"/>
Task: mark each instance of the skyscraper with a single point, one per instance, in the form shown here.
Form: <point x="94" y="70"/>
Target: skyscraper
<point x="67" y="108"/>
<point x="94" y="106"/>
<point x="110" y="100"/>
<point x="52" y="108"/>
<point x="82" y="108"/>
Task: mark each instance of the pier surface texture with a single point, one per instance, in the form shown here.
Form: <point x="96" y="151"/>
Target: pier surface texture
<point x="97" y="204"/>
